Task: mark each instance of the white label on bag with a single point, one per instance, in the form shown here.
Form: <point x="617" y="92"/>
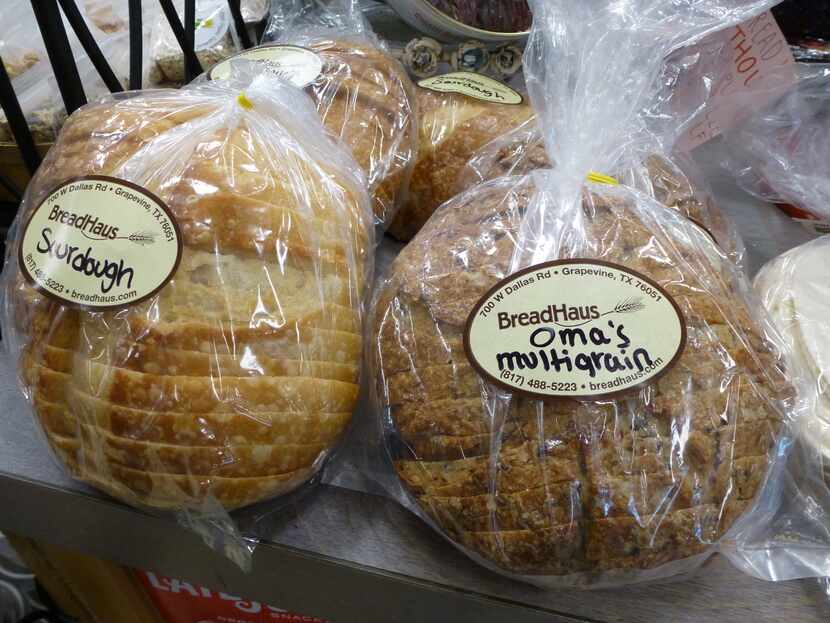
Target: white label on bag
<point x="473" y="85"/>
<point x="574" y="329"/>
<point x="100" y="242"/>
<point x="300" y="66"/>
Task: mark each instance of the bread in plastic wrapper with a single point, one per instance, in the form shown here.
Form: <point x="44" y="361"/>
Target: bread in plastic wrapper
<point x="452" y="127"/>
<point x="599" y="486"/>
<point x="363" y="93"/>
<point x="215" y="38"/>
<point x="40" y="98"/>
<point x="795" y="290"/>
<point x="792" y="542"/>
<point x="782" y="150"/>
<point x="233" y="382"/>
<point x="21" y="45"/>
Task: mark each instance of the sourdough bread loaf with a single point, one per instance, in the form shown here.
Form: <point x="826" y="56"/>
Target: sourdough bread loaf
<point x="234" y="382"/>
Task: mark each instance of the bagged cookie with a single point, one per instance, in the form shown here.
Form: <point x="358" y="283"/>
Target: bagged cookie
<point x="37" y="88"/>
<point x="576" y="385"/>
<point x="183" y="295"/>
<point x="458" y="114"/>
<point x="21" y="45"/>
<point x="362" y="93"/>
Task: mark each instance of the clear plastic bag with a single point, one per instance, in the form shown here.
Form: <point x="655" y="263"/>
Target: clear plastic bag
<point x="451" y="128"/>
<point x="215" y="38"/>
<point x="675" y="180"/>
<point x="37" y="89"/>
<point x="254" y="11"/>
<point x="783" y="149"/>
<point x="794" y="542"/>
<point x="110" y="16"/>
<point x="650" y="430"/>
<point x="231" y="377"/>
<point x="363" y="94"/>
<point x="21" y="45"/>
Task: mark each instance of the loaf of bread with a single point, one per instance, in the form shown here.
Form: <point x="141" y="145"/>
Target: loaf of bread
<point x="562" y="486"/>
<point x="451" y="129"/>
<point x="233" y="382"/>
<point x="366" y="100"/>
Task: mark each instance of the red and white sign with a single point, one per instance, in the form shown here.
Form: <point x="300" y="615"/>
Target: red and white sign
<point x="739" y="70"/>
<point x="183" y="602"/>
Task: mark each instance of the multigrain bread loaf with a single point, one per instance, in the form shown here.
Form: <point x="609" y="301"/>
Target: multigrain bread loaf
<point x="366" y="99"/>
<point x="236" y="379"/>
<point x="562" y="486"/>
<point x="451" y="128"/>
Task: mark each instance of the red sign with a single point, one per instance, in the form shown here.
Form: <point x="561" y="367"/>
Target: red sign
<point x="182" y="602"/>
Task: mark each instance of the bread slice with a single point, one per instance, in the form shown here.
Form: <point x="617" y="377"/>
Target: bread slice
<point x="177" y="491"/>
<point x="221" y="428"/>
<point x="241" y="461"/>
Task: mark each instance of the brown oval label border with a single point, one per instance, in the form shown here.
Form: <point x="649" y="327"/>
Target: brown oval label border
<point x="426" y="84"/>
<point x="99" y="178"/>
<point x="480" y="369"/>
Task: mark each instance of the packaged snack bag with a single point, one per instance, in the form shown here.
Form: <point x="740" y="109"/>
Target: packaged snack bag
<point x="215" y="38"/>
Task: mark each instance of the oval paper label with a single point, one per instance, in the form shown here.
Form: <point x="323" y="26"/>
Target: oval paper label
<point x="212" y="24"/>
<point x="300" y="66"/>
<point x="581" y="329"/>
<point x="473" y="85"/>
<point x="100" y="242"/>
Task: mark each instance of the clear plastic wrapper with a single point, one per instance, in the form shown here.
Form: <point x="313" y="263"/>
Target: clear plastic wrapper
<point x="21" y="45"/>
<point x="781" y="152"/>
<point x="576" y="384"/>
<point x="215" y="38"/>
<point x="38" y="93"/>
<point x="110" y="16"/>
<point x="233" y="374"/>
<point x="254" y="11"/>
<point x="451" y="128"/>
<point x="794" y="289"/>
<point x="363" y="94"/>
<point x="670" y="176"/>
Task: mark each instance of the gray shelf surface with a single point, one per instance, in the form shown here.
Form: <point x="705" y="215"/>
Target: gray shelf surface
<point x="351" y="556"/>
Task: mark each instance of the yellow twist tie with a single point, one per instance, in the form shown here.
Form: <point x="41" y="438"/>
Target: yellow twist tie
<point x="244" y="101"/>
<point x="599" y="178"/>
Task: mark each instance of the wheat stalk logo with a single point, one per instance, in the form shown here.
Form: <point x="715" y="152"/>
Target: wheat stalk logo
<point x="627" y="306"/>
<point x="140" y="237"/>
